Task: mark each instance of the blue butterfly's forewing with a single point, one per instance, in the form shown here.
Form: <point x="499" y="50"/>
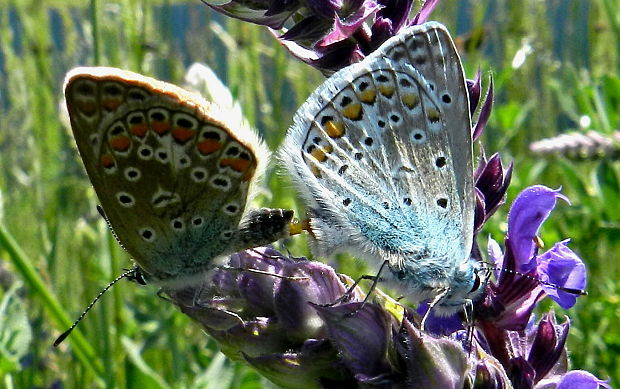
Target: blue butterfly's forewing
<point x="382" y="154"/>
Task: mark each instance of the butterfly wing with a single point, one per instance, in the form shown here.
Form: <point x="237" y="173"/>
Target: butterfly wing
<point x="172" y="171"/>
<point x="382" y="152"/>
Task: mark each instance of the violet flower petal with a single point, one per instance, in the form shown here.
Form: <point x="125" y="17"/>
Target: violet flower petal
<point x="485" y="113"/>
<point x="362" y="337"/>
<point x="473" y="90"/>
<point x="425" y="12"/>
<point x="496" y="256"/>
<point x="561" y="267"/>
<point x="573" y="379"/>
<point x="528" y="212"/>
<point x="440" y="325"/>
<point x="396" y="11"/>
<point x="581" y="379"/>
<point x="257" y="16"/>
<point x="343" y="29"/>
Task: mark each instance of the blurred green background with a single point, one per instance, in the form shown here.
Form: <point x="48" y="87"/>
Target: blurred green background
<point x="556" y="69"/>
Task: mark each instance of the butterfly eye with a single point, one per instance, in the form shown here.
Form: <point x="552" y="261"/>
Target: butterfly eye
<point x="477" y="283"/>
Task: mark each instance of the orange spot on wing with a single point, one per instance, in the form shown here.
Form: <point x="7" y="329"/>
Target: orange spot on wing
<point x="334" y="129"/>
<point x="139" y="129"/>
<point x="411" y="101"/>
<point x="160" y="127"/>
<point x="111" y="104"/>
<point x="236" y="164"/>
<point x="320" y="153"/>
<point x="368" y="96"/>
<point x="208" y="146"/>
<point x="88" y="108"/>
<point x="433" y="115"/>
<point x="107" y="161"/>
<point x="386" y="90"/>
<point x="315" y="171"/>
<point x="182" y="135"/>
<point x="250" y="173"/>
<point x="353" y="111"/>
<point x="120" y="143"/>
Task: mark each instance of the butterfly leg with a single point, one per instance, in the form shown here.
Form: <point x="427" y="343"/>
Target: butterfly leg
<point x="375" y="279"/>
<point x="432" y="305"/>
<point x="468" y="312"/>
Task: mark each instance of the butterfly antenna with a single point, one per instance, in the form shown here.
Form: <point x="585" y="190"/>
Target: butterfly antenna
<point x="579" y="292"/>
<point x="133" y="274"/>
<point x="107" y="221"/>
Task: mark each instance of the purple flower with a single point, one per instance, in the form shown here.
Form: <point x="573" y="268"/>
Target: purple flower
<point x="526" y="276"/>
<point x="278" y="314"/>
<point x="287" y="329"/>
<point x="328" y="34"/>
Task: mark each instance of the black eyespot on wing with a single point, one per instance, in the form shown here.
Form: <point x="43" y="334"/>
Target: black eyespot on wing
<point x="157" y="116"/>
<point x="112" y="90"/>
<point x="182" y="122"/>
<point x="326" y="119"/>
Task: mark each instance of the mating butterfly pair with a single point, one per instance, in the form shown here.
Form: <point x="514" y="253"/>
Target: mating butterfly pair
<point x="381" y="152"/>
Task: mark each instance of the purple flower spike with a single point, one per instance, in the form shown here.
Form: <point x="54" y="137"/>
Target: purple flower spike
<point x="328" y="34"/>
<point x="548" y="345"/>
<point x="529" y="211"/>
